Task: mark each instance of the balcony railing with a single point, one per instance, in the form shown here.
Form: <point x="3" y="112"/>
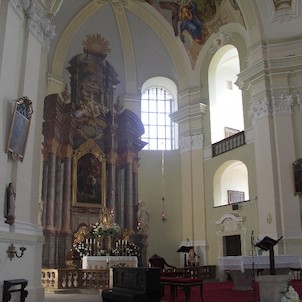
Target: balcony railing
<point x="53" y="279"/>
<point x="228" y="144"/>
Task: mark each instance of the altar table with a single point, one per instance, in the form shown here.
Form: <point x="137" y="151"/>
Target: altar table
<point x="103" y="262"/>
<point x="243" y="268"/>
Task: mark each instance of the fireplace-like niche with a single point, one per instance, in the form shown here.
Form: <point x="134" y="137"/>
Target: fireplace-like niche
<point x="231" y="235"/>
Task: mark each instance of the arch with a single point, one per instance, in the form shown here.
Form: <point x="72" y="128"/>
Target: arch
<point x="232" y="175"/>
<point x="162" y="30"/>
<point x="225" y="99"/>
<point x="159" y="129"/>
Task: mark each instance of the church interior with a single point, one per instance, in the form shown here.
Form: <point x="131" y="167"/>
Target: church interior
<point x="134" y="128"/>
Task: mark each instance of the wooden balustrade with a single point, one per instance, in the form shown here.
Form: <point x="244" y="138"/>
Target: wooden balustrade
<point x="53" y="279"/>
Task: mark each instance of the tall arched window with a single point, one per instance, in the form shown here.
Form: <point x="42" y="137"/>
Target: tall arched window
<point x="157" y="103"/>
<point x="226" y="110"/>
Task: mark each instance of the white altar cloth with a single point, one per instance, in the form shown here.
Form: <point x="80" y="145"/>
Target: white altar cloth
<point x="243" y="263"/>
<point x="104" y="262"/>
<point x="242" y="268"/>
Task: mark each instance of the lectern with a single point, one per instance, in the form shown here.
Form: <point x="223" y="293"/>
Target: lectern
<point x="267" y="244"/>
<point x="185" y="249"/>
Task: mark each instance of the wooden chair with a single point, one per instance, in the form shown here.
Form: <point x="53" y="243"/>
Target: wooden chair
<point x="160" y="262"/>
<point x="185" y="283"/>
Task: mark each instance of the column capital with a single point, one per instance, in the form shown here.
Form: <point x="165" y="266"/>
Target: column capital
<point x="191" y="142"/>
<point x="278" y="104"/>
<point x="38" y="22"/>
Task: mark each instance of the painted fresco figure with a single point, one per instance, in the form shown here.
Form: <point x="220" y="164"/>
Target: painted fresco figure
<point x="189" y="21"/>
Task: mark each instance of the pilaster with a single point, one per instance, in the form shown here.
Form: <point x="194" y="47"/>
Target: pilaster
<point x="273" y="84"/>
<point x="191" y="139"/>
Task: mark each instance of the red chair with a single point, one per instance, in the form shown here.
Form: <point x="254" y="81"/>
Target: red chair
<point x="160" y="262"/>
<point x="185" y="283"/>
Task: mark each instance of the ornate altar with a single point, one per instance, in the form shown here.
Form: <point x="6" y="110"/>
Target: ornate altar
<point x="90" y="155"/>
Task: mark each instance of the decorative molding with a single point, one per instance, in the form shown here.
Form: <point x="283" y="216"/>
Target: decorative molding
<point x="38" y="23"/>
<point x="235" y="218"/>
<point x="191" y="142"/>
<point x="19" y="6"/>
<point x="259" y="109"/>
<point x="280" y="103"/>
<point x="284" y="10"/>
<point x="228" y="225"/>
<point x="188" y="112"/>
<point x="220" y="40"/>
<point x="117" y="4"/>
<point x="299" y="100"/>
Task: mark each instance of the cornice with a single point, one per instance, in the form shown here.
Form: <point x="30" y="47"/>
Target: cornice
<point x="188" y="112"/>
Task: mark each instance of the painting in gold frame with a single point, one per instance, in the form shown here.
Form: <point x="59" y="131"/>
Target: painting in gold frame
<point x="89" y="176"/>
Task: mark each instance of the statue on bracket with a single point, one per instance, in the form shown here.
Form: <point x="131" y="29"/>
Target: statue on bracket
<point x="10" y="204"/>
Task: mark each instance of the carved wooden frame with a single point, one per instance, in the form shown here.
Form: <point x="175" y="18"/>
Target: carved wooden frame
<point x="19" y="128"/>
<point x="80" y="198"/>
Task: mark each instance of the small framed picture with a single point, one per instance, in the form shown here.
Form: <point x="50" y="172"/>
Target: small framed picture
<point x="19" y="128"/>
<point x="235" y="196"/>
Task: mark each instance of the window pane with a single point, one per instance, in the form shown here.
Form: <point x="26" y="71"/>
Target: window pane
<point x="145" y="118"/>
<point x="144" y="106"/>
<point x="161" y="106"/>
<point x="153" y="144"/>
<point x="161" y="119"/>
<point x="152" y="106"/>
<point x="152" y="118"/>
<point x="153" y="132"/>
<point x="156" y="104"/>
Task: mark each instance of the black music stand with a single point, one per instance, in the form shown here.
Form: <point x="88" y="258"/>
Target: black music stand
<point x="267" y="244"/>
<point x="184" y="249"/>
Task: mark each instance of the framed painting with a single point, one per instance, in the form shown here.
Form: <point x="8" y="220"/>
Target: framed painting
<point x="235" y="196"/>
<point x="230" y="131"/>
<point x="297" y="166"/>
<point x="89" y="176"/>
<point x="19" y="128"/>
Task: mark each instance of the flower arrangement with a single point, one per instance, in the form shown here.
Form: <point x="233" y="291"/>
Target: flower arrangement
<point x="258" y="250"/>
<point x="100" y="229"/>
<point x="290" y="295"/>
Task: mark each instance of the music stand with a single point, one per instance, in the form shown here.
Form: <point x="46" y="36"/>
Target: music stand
<point x="267" y="244"/>
<point x="184" y="249"/>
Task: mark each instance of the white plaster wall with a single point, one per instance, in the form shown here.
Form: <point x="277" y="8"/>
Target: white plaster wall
<point x="21" y="75"/>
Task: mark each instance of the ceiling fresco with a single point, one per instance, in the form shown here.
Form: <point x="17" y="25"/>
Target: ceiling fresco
<point x="194" y="21"/>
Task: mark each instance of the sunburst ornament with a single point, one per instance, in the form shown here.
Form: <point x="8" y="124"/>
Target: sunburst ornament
<point x="96" y="45"/>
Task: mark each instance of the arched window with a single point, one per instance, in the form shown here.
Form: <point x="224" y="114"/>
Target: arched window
<point x="157" y="103"/>
<point x="226" y="110"/>
<point x="230" y="183"/>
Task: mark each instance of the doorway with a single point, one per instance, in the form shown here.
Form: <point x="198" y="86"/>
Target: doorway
<point x="232" y="245"/>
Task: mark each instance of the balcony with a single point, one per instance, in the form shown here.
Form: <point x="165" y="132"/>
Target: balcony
<point x="228" y="144"/>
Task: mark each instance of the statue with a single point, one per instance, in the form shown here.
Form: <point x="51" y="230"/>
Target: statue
<point x="10" y="204"/>
<point x="40" y="213"/>
<point x="142" y="218"/>
<point x="192" y="258"/>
